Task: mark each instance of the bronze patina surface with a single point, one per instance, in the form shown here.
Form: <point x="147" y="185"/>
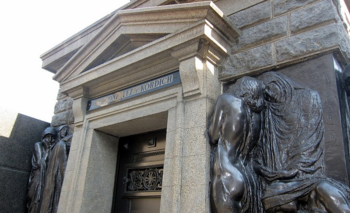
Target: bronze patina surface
<point x="268" y="137"/>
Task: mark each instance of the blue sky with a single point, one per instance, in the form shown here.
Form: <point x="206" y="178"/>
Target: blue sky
<point x="30" y="28"/>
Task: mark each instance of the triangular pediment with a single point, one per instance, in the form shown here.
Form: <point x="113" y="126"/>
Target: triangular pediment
<point x="131" y="29"/>
<point x="123" y="45"/>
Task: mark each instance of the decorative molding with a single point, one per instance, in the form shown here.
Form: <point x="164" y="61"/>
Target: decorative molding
<point x="144" y="179"/>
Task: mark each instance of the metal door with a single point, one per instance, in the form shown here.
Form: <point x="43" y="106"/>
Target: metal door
<point x="139" y="173"/>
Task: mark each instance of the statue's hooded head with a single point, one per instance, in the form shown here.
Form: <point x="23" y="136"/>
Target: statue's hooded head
<point x="278" y="88"/>
<point x="48" y="135"/>
<point x="250" y="90"/>
<point x="63" y="131"/>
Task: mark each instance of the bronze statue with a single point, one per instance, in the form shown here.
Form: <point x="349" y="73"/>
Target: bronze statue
<point x="290" y="152"/>
<point x="284" y="144"/>
<point x="55" y="171"/>
<point x="48" y="167"/>
<point x="38" y="173"/>
<point x="234" y="131"/>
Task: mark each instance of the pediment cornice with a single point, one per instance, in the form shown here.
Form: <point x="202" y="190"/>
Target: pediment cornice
<point x="154" y="20"/>
<point x="182" y="25"/>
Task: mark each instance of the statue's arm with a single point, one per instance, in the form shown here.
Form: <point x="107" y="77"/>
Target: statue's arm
<point x="218" y="116"/>
<point x="36" y="159"/>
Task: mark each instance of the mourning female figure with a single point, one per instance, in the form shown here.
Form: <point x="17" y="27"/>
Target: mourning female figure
<point x="290" y="152"/>
<point x="55" y="171"/>
<point x="234" y="131"/>
<point x="38" y="172"/>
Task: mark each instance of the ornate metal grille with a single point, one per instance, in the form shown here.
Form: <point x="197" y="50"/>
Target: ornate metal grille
<point x="145" y="179"/>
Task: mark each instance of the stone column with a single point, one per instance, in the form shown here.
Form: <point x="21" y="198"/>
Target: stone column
<point x="70" y="194"/>
<point x="188" y="151"/>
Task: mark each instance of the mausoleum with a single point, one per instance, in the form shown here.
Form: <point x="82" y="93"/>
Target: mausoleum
<point x="139" y="86"/>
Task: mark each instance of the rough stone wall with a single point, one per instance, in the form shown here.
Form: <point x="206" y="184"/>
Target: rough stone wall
<point x="63" y="113"/>
<point x="277" y="33"/>
<point x="343" y="13"/>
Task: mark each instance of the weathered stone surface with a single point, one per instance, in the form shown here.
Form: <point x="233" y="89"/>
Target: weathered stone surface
<point x="63" y="105"/>
<point x="252" y="15"/>
<point x="229" y="7"/>
<point x="13" y="187"/>
<point x="60" y="95"/>
<point x="17" y="137"/>
<point x="245" y="61"/>
<point x="193" y="198"/>
<point x="282" y="6"/>
<point x="17" y="148"/>
<point x="308" y="42"/>
<point x="315" y="14"/>
<point x="263" y="32"/>
<point x="65" y="117"/>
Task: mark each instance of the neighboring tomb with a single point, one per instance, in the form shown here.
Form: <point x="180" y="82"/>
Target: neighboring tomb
<point x="18" y="133"/>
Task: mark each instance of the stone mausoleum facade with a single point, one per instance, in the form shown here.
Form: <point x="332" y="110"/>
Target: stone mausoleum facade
<point x="144" y="80"/>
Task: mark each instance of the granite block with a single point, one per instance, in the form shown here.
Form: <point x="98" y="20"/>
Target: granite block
<point x="252" y="15"/>
<point x="195" y="170"/>
<point x="309" y="42"/>
<point x="61" y="118"/>
<point x="195" y="142"/>
<point x="251" y="59"/>
<point x="172" y="174"/>
<point x="170" y="144"/>
<point x="195" y="113"/>
<point x="282" y="6"/>
<point x="63" y="105"/>
<point x="313" y="15"/>
<point x="193" y="198"/>
<point x="99" y="182"/>
<point x="105" y="143"/>
<point x="102" y="161"/>
<point x="267" y="31"/>
<point x="95" y="202"/>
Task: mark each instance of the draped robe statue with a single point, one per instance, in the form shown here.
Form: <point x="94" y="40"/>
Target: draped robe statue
<point x="55" y="171"/>
<point x="48" y="167"/>
<point x="38" y="172"/>
<point x="290" y="152"/>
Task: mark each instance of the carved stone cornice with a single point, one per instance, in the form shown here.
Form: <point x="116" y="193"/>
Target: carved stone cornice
<point x="196" y="28"/>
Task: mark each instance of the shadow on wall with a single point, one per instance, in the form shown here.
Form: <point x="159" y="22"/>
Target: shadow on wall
<point x="18" y="133"/>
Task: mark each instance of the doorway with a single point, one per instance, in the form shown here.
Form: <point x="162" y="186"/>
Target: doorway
<point x="138" y="182"/>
